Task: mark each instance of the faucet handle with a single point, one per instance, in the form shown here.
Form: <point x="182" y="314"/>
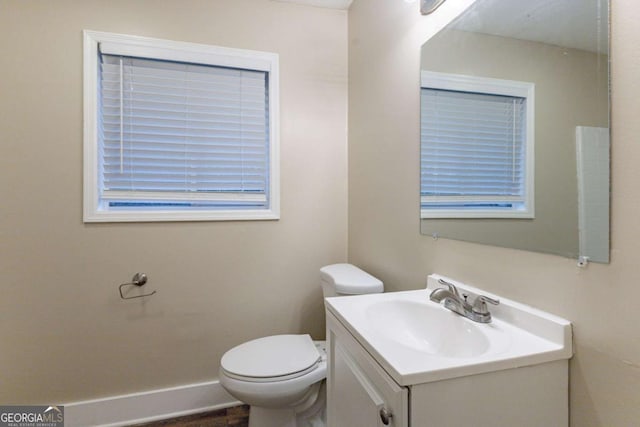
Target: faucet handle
<point x="480" y="304"/>
<point x="451" y="286"/>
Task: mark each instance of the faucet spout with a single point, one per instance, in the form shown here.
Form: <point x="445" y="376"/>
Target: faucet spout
<point x="477" y="312"/>
<point x="451" y="298"/>
<point x="440" y="294"/>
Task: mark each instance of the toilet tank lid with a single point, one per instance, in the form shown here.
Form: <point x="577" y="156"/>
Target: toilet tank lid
<point x="349" y="279"/>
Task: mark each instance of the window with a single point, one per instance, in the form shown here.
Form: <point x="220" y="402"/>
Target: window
<point x="477" y="153"/>
<point x="179" y="131"/>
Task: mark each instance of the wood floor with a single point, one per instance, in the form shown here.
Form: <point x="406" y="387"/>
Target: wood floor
<point x="238" y="416"/>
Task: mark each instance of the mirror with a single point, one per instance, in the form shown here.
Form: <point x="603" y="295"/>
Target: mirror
<point x="515" y="127"/>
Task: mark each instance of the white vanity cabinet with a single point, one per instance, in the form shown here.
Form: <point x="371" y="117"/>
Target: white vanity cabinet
<point x="359" y="392"/>
<point x="375" y="380"/>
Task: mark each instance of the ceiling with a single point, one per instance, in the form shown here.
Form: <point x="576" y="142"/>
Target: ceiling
<point x="567" y="23"/>
<point x="578" y="24"/>
<point x="330" y="4"/>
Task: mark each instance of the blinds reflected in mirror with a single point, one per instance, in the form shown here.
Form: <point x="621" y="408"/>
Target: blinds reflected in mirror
<point x="473" y="150"/>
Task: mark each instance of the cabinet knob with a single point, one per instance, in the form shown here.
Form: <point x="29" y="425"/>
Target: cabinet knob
<point x="385" y="416"/>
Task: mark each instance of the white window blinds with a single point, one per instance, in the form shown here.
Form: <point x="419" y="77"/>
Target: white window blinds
<point x="473" y="148"/>
<point x="176" y="134"/>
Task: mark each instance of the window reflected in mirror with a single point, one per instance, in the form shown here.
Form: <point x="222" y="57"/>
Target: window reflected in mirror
<point x="539" y="183"/>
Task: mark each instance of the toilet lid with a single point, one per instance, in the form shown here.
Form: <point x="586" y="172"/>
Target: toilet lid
<point x="274" y="356"/>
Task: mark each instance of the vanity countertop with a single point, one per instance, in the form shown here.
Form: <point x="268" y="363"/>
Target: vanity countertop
<point x="417" y="340"/>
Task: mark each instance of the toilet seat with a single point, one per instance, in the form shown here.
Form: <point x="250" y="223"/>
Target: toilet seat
<point x="271" y="359"/>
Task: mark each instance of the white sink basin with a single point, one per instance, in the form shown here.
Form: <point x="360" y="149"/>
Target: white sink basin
<point x="427" y="327"/>
<point x="419" y="341"/>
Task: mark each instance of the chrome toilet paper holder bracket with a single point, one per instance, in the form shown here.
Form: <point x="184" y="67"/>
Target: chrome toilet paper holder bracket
<point x="139" y="279"/>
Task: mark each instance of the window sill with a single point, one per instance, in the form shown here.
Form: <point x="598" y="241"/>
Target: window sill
<point x="452" y="214"/>
<point x="175" y="216"/>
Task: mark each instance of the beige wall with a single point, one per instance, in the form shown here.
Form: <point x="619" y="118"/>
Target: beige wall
<point x="64" y="333"/>
<point x="602" y="300"/>
<point x="571" y="89"/>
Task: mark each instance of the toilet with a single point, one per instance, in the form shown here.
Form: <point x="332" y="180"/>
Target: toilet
<point x="282" y="377"/>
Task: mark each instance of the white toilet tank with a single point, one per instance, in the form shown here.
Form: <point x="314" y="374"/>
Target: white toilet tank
<point x="347" y="279"/>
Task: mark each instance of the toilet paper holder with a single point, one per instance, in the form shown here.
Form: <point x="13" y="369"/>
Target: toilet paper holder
<point x="139" y="279"/>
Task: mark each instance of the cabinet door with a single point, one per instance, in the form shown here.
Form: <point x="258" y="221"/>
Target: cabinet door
<point x="360" y="392"/>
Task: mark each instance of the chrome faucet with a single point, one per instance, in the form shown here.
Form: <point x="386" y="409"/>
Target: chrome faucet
<point x="478" y="312"/>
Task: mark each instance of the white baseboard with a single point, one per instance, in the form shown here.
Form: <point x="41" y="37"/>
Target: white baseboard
<point x="148" y="406"/>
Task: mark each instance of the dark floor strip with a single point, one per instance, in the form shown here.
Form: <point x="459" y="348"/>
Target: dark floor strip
<point x="237" y="416"/>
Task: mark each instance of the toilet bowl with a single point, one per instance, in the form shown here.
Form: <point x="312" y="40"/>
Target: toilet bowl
<point x="282" y="377"/>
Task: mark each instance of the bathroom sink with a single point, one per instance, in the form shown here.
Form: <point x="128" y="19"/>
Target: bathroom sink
<point x="417" y="340"/>
<point x="424" y="326"/>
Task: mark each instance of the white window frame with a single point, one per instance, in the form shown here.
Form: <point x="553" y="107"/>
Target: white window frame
<point x="184" y="52"/>
<point x="490" y="86"/>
